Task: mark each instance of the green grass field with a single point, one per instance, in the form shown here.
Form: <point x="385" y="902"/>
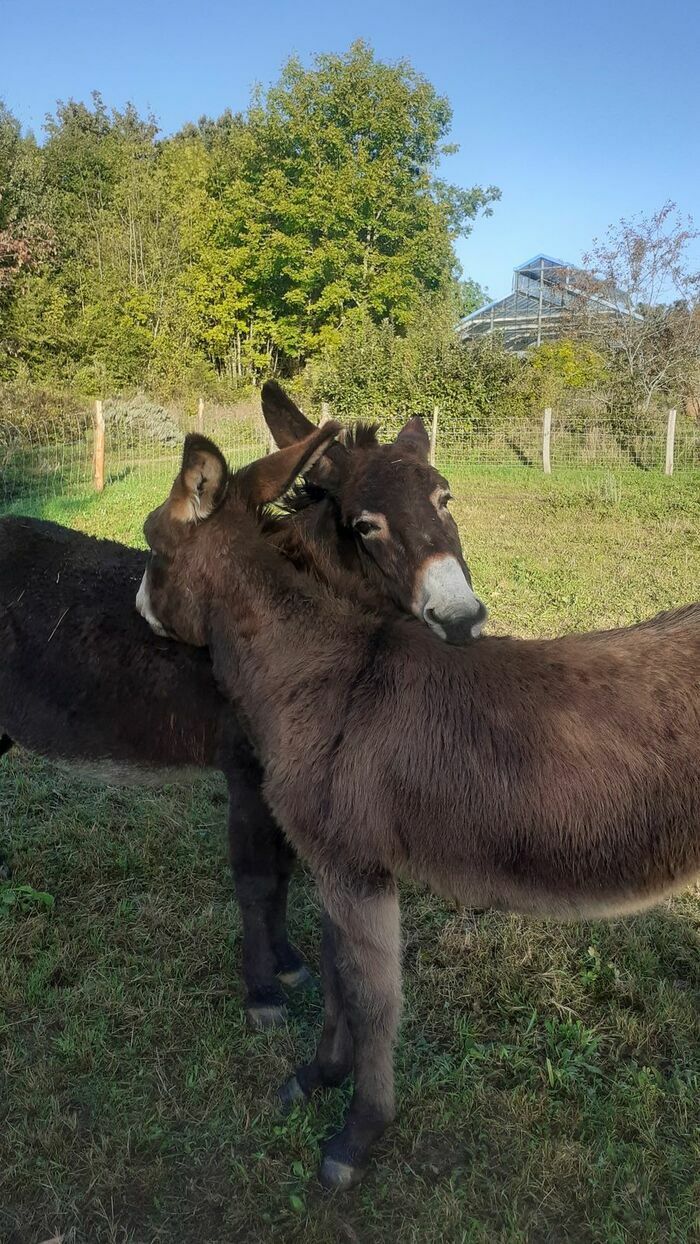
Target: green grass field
<point x="548" y="1077"/>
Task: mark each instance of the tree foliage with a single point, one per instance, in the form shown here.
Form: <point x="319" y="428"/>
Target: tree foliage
<point x="642" y="268"/>
<point x="236" y="246"/>
<point x="381" y="374"/>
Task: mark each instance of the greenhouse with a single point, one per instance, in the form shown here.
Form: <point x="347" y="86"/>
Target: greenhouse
<point x="546" y="292"/>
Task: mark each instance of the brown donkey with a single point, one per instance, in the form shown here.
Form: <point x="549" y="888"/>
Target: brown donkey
<point x="83" y="679"/>
<point x="556" y="777"/>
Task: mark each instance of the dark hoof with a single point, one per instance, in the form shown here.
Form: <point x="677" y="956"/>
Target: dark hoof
<point x="298" y="978"/>
<point x="339" y="1176"/>
<point x="291" y="1094"/>
<point x="262" y="1017"/>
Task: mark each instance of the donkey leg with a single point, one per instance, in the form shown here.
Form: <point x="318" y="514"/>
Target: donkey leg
<point x="253" y="857"/>
<point x="291" y="969"/>
<point x="261" y="877"/>
<point x="5" y="743"/>
<point x="366" y="931"/>
<point x="332" y="1062"/>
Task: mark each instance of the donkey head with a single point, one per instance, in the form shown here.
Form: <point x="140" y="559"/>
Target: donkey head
<point x="392" y="505"/>
<point x="210" y="516"/>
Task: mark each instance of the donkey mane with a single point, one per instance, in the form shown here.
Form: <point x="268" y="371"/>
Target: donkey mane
<point x="301" y="496"/>
<point x="305" y="493"/>
<point x="360" y="436"/>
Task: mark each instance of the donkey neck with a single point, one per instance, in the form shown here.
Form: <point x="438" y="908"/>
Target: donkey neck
<point x="315" y="540"/>
<point x="279" y="637"/>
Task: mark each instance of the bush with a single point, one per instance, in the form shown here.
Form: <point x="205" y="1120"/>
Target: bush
<point x="41" y="414"/>
<point x="374" y="372"/>
<point x="139" y="417"/>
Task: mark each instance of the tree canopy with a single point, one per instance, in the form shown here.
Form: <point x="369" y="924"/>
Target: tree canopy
<point x="239" y="244"/>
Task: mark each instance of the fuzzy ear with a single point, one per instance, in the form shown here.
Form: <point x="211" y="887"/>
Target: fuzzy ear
<point x="289" y="426"/>
<point x="201" y="485"/>
<point x="414" y="437"/>
<point x="285" y="421"/>
<point x="270" y="477"/>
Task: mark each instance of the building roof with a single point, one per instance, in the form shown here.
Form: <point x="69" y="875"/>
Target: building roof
<point x="538" y="307"/>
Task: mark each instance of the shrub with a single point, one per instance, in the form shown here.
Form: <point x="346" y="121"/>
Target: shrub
<point x="41" y="414"/>
<point x="139" y="417"/>
<point x="374" y="372"/>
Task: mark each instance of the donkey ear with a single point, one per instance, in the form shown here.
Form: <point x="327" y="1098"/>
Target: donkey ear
<point x="270" y="477"/>
<point x="201" y="485"/>
<point x="285" y="421"/>
<point x="289" y="426"/>
<point x="414" y="437"/>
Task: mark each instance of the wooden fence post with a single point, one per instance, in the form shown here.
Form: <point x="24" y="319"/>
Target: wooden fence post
<point x="325" y="413"/>
<point x="200" y="415"/>
<point x="670" y="439"/>
<point x="433" y="435"/>
<point x="547" y="441"/>
<point x="98" y="459"/>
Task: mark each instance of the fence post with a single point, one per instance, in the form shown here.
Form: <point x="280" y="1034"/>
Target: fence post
<point x="325" y="413"/>
<point x="670" y="439"/>
<point x="547" y="441"/>
<point x="98" y="460"/>
<point x="200" y="415"/>
<point x="433" y="435"/>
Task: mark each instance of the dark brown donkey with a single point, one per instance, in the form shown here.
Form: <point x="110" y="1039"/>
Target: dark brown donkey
<point x="83" y="680"/>
<point x="556" y="777"/>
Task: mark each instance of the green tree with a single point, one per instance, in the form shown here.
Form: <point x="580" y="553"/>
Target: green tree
<point x="26" y="241"/>
<point x="335" y="200"/>
<point x="238" y="246"/>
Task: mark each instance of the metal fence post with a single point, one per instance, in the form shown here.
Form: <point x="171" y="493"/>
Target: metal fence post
<point x="547" y="441"/>
<point x="433" y="435"/>
<point x="670" y="439"/>
<point x="98" y="457"/>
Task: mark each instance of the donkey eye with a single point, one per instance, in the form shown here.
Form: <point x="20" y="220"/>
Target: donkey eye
<point x="365" y="528"/>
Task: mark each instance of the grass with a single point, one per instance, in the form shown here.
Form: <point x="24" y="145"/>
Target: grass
<point x="548" y="1076"/>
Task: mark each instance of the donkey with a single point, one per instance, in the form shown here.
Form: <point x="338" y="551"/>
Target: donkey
<point x="83" y="680"/>
<point x="550" y="777"/>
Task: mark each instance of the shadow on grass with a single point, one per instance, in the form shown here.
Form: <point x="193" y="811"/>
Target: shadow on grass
<point x="523" y="458"/>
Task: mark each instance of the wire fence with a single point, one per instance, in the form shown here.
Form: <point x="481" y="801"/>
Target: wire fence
<point x="596" y="444"/>
<point x="53" y="457"/>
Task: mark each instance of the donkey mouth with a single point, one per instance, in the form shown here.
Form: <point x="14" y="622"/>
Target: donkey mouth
<point x="446" y="603"/>
<point x="458" y="629"/>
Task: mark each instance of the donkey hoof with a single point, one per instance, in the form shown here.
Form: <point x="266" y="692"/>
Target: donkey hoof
<point x="262" y="1017"/>
<point x="298" y="978"/>
<point x="339" y="1176"/>
<point x="291" y="1094"/>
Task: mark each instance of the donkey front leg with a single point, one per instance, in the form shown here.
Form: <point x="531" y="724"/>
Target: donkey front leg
<point x="262" y="863"/>
<point x="291" y="969"/>
<point x="365" y="922"/>
<point x="332" y="1062"/>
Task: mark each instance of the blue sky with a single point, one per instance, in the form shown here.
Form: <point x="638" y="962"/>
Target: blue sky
<point x="580" y="113"/>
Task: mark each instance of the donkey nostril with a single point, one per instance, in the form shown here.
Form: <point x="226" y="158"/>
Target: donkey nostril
<point x="432" y="619"/>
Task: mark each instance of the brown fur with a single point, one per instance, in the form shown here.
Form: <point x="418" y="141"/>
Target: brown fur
<point x="83" y="679"/>
<point x="555" y="777"/>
